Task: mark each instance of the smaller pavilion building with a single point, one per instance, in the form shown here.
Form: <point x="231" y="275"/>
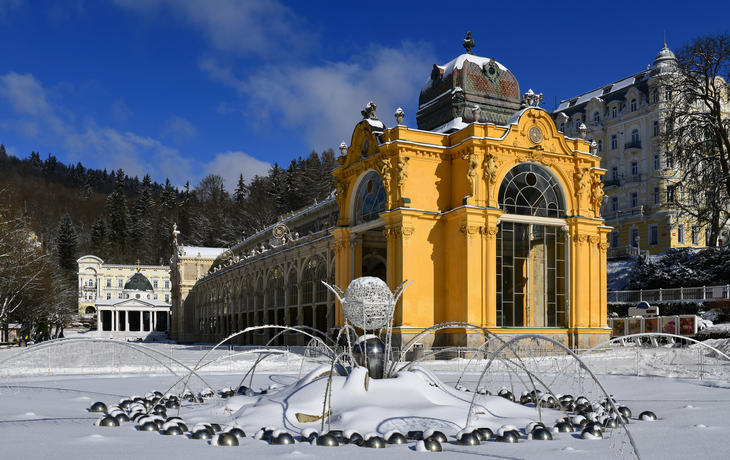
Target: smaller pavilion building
<point x="138" y="315"/>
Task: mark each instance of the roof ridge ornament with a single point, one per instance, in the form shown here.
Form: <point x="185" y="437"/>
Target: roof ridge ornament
<point x="530" y="99"/>
<point x="369" y="111"/>
<point x="468" y="43"/>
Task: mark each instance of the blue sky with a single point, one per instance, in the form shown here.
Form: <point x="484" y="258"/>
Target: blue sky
<point x="184" y="88"/>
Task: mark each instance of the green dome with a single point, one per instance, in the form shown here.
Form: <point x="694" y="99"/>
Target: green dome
<point x="138" y="282"/>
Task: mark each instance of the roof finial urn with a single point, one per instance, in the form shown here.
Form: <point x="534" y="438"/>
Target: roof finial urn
<point x="343" y="148"/>
<point x="399" y="115"/>
<point x="468" y="43"/>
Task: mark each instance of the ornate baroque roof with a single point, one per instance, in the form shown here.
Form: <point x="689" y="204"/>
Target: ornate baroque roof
<point x="470" y="87"/>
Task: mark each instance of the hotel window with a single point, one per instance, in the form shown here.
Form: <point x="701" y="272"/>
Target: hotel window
<point x="120" y="283"/>
<point x="669" y="160"/>
<point x="656" y="161"/>
<point x="680" y="233"/>
<point x="119" y="295"/>
<point x="654" y="234"/>
<point x="167" y="284"/>
<point x="154" y="284"/>
<point x="634" y="168"/>
<point x="108" y="282"/>
<point x="632" y="105"/>
<point x="562" y="127"/>
<point x="614" y="141"/>
<point x="696" y="236"/>
<point x="167" y="298"/>
<point x="654" y="96"/>
<point x="614" y="173"/>
<point x="614" y="112"/>
<point x="108" y="296"/>
<point x="667" y="94"/>
<point x="656" y="195"/>
<point x="600" y="145"/>
<point x="614" y="237"/>
<point x="635" y="136"/>
<point x="655" y="129"/>
<point x="614" y="203"/>
<point x="596" y="116"/>
<point x="634" y="200"/>
<point x="634" y="237"/>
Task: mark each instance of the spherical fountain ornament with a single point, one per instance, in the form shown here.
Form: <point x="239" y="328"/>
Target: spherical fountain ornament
<point x="480" y="436"/>
<point x="173" y="430"/>
<point x="432" y="445"/>
<point x="610" y="422"/>
<point x="647" y="416"/>
<point x="237" y="432"/>
<point x="227" y="439"/>
<point x="625" y="411"/>
<point x="541" y="434"/>
<point x="216" y="428"/>
<point x="375" y="442"/>
<point x="98" y="407"/>
<point x="435" y="434"/>
<point x="354" y="438"/>
<point x="170" y="404"/>
<point x="148" y="426"/>
<point x="282" y="439"/>
<point x="109" y="421"/>
<point x="397" y="438"/>
<point x="327" y="440"/>
<point x="308" y="435"/>
<point x="591" y="432"/>
<point x="121" y="417"/>
<point x="508" y="436"/>
<point x="368" y="303"/>
<point x="201" y="433"/>
<point x="563" y="427"/>
<point x="487" y="433"/>
<point x="467" y="439"/>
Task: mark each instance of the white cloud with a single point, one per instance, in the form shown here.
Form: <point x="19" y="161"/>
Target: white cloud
<point x="325" y="100"/>
<point x="240" y="26"/>
<point x="229" y="165"/>
<point x="28" y="99"/>
<point x="120" y="111"/>
<point x="179" y="129"/>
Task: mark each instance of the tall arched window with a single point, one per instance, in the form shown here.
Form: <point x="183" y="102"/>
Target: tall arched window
<point x="370" y="198"/>
<point x="596" y="116"/>
<point x="632" y="105"/>
<point x="600" y="145"/>
<point x="531" y="250"/>
<point x="310" y="277"/>
<point x="528" y="189"/>
<point x="292" y="287"/>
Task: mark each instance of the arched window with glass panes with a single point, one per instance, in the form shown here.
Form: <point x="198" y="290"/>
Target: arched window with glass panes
<point x="370" y="198"/>
<point x="532" y="252"/>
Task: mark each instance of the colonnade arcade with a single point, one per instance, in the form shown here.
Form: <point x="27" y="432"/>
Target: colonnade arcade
<point x="134" y="317"/>
<point x="284" y="289"/>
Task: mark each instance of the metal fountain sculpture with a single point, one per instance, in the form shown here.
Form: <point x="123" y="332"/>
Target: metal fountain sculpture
<point x="368" y="304"/>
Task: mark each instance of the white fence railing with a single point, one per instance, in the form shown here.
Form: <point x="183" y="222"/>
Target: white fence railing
<point x="667" y="295"/>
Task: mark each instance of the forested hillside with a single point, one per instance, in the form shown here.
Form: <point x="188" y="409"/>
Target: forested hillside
<point x="122" y="219"/>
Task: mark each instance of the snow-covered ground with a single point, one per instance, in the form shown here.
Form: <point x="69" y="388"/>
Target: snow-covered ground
<point x="44" y="407"/>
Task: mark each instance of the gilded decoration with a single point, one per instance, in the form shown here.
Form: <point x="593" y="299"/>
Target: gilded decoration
<point x="594" y="240"/>
<point x="603" y="246"/>
<point x="580" y="239"/>
<point x="597" y="192"/>
<point x="385" y="169"/>
<point x="489" y="232"/>
<point x="398" y="233"/>
<point x="491" y="166"/>
<point x="402" y="174"/>
<point x="471" y="173"/>
<point x="339" y="247"/>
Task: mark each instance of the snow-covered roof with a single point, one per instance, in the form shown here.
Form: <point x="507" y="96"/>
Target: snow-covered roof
<point x="200" y="251"/>
<point x="117" y="302"/>
<point x="603" y="90"/>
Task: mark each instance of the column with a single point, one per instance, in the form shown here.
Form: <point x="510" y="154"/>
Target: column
<point x="489" y="232"/>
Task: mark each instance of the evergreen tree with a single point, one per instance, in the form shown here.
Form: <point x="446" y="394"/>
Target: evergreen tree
<point x="167" y="199"/>
<point x="99" y="237"/>
<point x="240" y="193"/>
<point x="118" y="217"/>
<point x="66" y="242"/>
